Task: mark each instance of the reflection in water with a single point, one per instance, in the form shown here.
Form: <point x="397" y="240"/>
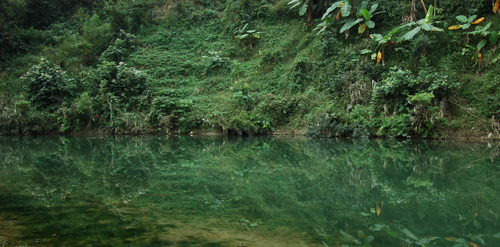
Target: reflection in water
<point x="215" y="191"/>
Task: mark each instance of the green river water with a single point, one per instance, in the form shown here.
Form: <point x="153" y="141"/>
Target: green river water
<point x="250" y="191"/>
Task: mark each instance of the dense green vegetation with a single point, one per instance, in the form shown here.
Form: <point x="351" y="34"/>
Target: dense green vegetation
<point x="136" y="191"/>
<point x="325" y="68"/>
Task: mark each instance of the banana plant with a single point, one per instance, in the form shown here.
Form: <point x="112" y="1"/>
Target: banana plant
<point x="425" y="24"/>
<point x="483" y="32"/>
<point x="466" y="22"/>
<point x="243" y="34"/>
<point x="363" y="19"/>
<point x="303" y="5"/>
<point x="367" y="15"/>
<point x="478" y="56"/>
<point x="382" y="41"/>
<point x="345" y="11"/>
<point x="363" y="16"/>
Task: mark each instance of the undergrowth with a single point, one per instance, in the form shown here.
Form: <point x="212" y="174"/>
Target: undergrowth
<point x="151" y="67"/>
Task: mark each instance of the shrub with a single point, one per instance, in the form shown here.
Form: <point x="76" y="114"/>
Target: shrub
<point x="216" y="64"/>
<point x="117" y="79"/>
<point x="120" y="49"/>
<point x="47" y="85"/>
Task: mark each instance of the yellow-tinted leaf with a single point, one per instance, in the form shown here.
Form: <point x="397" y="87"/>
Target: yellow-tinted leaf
<point x="451" y="239"/>
<point x="338" y="15"/>
<point x="478" y="20"/>
<point x="361" y="234"/>
<point x="472" y="244"/>
<point x="362" y="28"/>
<point x="480" y="56"/>
<point x="495" y="8"/>
<point x="455" y="27"/>
<point x="379" y="57"/>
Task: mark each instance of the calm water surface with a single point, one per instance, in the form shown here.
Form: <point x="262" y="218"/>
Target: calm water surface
<point x="216" y="191"/>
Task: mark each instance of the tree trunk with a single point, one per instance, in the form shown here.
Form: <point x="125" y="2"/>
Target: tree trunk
<point x="413" y="10"/>
<point x="423" y="4"/>
<point x="435" y="7"/>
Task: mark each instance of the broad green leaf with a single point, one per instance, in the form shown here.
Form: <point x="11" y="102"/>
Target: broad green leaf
<point x="409" y="24"/>
<point x="303" y="9"/>
<point x="390" y="232"/>
<point x="388" y="36"/>
<point x="332" y="8"/>
<point x="349" y="24"/>
<point x="369" y="239"/>
<point x="349" y="237"/>
<point x="409" y="234"/>
<point x="242" y="29"/>
<point x="476" y="223"/>
<point x="461" y="243"/>
<point x="361" y="6"/>
<point x="346" y="9"/>
<point x="295" y="3"/>
<point x="373" y="8"/>
<point x="427" y="27"/>
<point x="472" y="47"/>
<point x="486" y="27"/>
<point x="428" y="17"/>
<point x="477" y="238"/>
<point x="409" y="35"/>
<point x="471" y="18"/>
<point x="462" y="18"/>
<point x="378" y="227"/>
<point x="479" y="46"/>
<point x="465" y="26"/>
<point x="366" y="14"/>
<point x="323" y="27"/>
<point x="493" y="38"/>
<point x="400" y="39"/>
<point x="370" y="24"/>
<point x="423" y="241"/>
<point x="242" y="36"/>
<point x="497" y="235"/>
<point x="377" y="37"/>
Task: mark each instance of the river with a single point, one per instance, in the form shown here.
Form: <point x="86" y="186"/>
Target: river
<point x="247" y="191"/>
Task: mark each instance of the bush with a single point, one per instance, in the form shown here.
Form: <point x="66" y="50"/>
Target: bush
<point x="117" y="79"/>
<point x="120" y="49"/>
<point x="47" y="85"/>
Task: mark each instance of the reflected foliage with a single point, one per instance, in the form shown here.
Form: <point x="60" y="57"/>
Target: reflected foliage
<point x="109" y="190"/>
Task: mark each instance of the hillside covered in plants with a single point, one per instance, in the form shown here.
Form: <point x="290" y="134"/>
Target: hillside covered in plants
<point x="325" y="68"/>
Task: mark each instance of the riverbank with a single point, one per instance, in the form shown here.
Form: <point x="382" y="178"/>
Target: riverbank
<point x="255" y="68"/>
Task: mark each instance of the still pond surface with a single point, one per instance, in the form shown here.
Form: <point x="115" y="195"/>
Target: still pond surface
<point x="219" y="191"/>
